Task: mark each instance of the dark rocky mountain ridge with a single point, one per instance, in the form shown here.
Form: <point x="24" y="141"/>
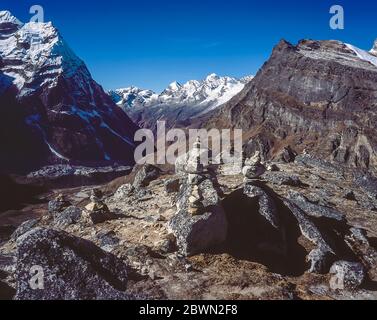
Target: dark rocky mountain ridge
<point x="52" y="110"/>
<point x="318" y="96"/>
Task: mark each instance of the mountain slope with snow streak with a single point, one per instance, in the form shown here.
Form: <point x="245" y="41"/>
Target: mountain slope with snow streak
<point x="49" y="101"/>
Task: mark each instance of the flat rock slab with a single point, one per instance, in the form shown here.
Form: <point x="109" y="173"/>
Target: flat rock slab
<point x="53" y="265"/>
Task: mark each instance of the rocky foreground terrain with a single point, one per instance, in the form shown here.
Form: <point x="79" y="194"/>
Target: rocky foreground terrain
<point x="301" y="229"/>
<point x="300" y="222"/>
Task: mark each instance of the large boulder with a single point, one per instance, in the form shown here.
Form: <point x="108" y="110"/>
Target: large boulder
<point x="320" y="257"/>
<point x="69" y="216"/>
<point x="347" y="275"/>
<point x="196" y="234"/>
<point x="172" y="185"/>
<point x="314" y="209"/>
<point x="123" y="192"/>
<point x="283" y="179"/>
<point x="287" y="155"/>
<point x="266" y="205"/>
<point x="24" y="227"/>
<point x="58" y="204"/>
<point x="368" y="183"/>
<point x="146" y="175"/>
<point x="53" y="265"/>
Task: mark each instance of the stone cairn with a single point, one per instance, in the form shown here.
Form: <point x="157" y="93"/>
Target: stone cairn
<point x="97" y="210"/>
<point x="200" y="222"/>
<point x="253" y="168"/>
<point x="96" y="203"/>
<point x="58" y="204"/>
<point x="195" y="206"/>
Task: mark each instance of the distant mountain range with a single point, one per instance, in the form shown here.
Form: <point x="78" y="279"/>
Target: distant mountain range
<point x="52" y="111"/>
<point x="178" y="103"/>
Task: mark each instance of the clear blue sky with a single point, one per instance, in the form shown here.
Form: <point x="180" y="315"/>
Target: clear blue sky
<point x="150" y="43"/>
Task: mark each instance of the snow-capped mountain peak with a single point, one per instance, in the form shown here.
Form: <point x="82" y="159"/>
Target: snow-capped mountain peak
<point x="191" y="99"/>
<point x="209" y="93"/>
<point x="7" y="17"/>
<point x="132" y="96"/>
<point x="60" y="107"/>
<point x="212" y="77"/>
<point x="374" y="49"/>
<point x="39" y="45"/>
<point x="9" y="24"/>
<point x="175" y="86"/>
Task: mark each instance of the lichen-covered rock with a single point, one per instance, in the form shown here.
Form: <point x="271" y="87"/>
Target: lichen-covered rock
<point x="319" y="260"/>
<point x="107" y="240"/>
<point x="69" y="216"/>
<point x="253" y="168"/>
<point x="312" y="161"/>
<point x="253" y="171"/>
<point x="281" y="178"/>
<point x="314" y="209"/>
<point x="58" y="204"/>
<point x="123" y="192"/>
<point x="68" y="268"/>
<point x="24" y="227"/>
<point x="166" y="245"/>
<point x="347" y="275"/>
<point x="287" y="155"/>
<point x="172" y="185"/>
<point x="146" y="175"/>
<point x="267" y="207"/>
<point x="272" y="167"/>
<point x="357" y="240"/>
<point x="368" y="184"/>
<point x="320" y="256"/>
<point x="196" y="234"/>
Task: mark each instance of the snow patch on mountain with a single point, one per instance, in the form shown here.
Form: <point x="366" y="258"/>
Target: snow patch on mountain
<point x="7" y="17"/>
<point x="65" y="111"/>
<point x="364" y="55"/>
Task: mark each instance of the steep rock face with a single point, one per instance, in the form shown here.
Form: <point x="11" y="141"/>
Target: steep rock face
<point x="51" y="108"/>
<point x="318" y="95"/>
<point x="178" y="104"/>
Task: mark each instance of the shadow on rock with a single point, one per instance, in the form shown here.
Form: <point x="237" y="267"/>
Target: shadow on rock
<point x="291" y="236"/>
<point x="251" y="237"/>
<point x="15" y="195"/>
